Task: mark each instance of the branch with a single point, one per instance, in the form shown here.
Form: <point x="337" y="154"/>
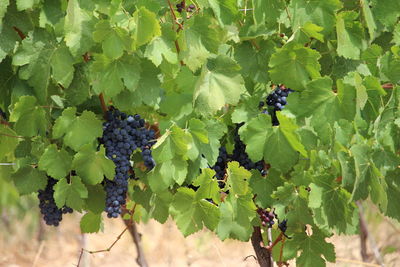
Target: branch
<point x="387" y="86"/>
<point x="13" y="136"/>
<point x="103" y="104"/>
<point x="141" y="259"/>
<point x="363" y="238"/>
<point x="20" y="33"/>
<point x="263" y="254"/>
<point x="130" y="221"/>
<point x="375" y="249"/>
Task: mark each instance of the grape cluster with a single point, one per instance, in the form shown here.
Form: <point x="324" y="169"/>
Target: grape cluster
<point x="283" y="226"/>
<point x="240" y="155"/>
<point x="180" y="6"/>
<point x="52" y="215"/>
<point x="3" y="115"/>
<point x="123" y="134"/>
<point x="266" y="216"/>
<point x="277" y="100"/>
<point x="220" y="166"/>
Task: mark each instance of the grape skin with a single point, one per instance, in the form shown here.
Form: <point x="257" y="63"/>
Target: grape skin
<point x="52" y="215"/>
<point x="122" y="135"/>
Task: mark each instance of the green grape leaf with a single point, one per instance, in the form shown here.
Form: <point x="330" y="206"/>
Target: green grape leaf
<point x="215" y="130"/>
<point x="78" y="28"/>
<point x="263" y="187"/>
<point x="162" y="47"/>
<point x="78" y="90"/>
<point x="321" y="13"/>
<point x="39" y="58"/>
<point x="29" y="180"/>
<point x="371" y="56"/>
<point x="267" y="11"/>
<point x="390" y="67"/>
<point x="200" y="137"/>
<point x="61" y="63"/>
<point x="237" y="179"/>
<point x="350" y="35"/>
<point x="91" y="223"/>
<point x="320" y="100"/>
<point x="93" y="165"/>
<point x="193" y="52"/>
<point x="96" y="198"/>
<point x="51" y="13"/>
<point x="192" y="214"/>
<point x="111" y="76"/>
<point x="71" y="194"/>
<point x="368" y="177"/>
<point x="386" y="11"/>
<point x="334" y="202"/>
<point x="314" y="249"/>
<point x="369" y="18"/>
<point x="212" y="35"/>
<point x="8" y="143"/>
<point x="166" y="173"/>
<point x="114" y="39"/>
<point x="144" y="26"/>
<point x="225" y="11"/>
<point x="77" y="131"/>
<point x="307" y="32"/>
<point x="393" y="192"/>
<point x="26" y="4"/>
<point x="294" y="65"/>
<point x="3" y="9"/>
<point x="236" y="216"/>
<point x="29" y="118"/>
<point x="219" y="84"/>
<point x="254" y="61"/>
<point x="157" y="204"/>
<point x="280" y="146"/>
<point x="174" y="143"/>
<point x="57" y="163"/>
<point x="208" y="185"/>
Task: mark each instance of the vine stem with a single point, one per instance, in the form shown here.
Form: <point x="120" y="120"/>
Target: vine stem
<point x="387" y="86"/>
<point x="364" y="231"/>
<point x="263" y="254"/>
<point x="20" y="33"/>
<point x="103" y="104"/>
<point x="129" y="226"/>
<point x="13" y="136"/>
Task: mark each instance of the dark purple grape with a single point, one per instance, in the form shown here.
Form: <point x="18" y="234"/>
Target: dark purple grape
<point x="123" y="134"/>
<point x="52" y="215"/>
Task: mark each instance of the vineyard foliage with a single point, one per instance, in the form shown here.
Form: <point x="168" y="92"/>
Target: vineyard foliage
<point x="195" y="75"/>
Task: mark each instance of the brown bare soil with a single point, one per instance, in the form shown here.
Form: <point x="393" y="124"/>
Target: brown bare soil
<point x="164" y="246"/>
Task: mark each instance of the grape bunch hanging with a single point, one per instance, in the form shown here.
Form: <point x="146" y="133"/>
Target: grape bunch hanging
<point x="267" y="217"/>
<point x="122" y="135"/>
<point x="181" y="6"/>
<point x="52" y="215"/>
<point x="276" y="100"/>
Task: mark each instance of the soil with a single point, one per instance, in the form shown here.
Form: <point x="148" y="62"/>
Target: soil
<point x="163" y="245"/>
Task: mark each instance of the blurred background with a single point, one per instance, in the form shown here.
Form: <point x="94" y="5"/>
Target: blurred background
<point x="26" y="241"/>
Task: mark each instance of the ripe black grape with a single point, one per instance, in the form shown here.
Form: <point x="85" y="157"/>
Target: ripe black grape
<point x="122" y="135"/>
<point x="52" y="215"/>
<point x="220" y="166"/>
<point x="267" y="217"/>
<point x="283" y="226"/>
<point x="277" y="100"/>
<point x="3" y="115"/>
<point x="240" y="155"/>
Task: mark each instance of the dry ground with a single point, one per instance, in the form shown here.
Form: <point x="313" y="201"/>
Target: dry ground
<point x="164" y="246"/>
